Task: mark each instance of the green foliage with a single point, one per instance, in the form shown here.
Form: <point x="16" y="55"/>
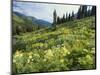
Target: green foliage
<point x="70" y="47"/>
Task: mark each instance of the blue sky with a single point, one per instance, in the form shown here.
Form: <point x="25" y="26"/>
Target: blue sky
<point x="42" y="10"/>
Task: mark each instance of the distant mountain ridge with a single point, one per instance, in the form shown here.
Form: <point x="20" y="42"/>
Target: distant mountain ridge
<point x="19" y="14"/>
<point x="34" y="20"/>
<point x="43" y="22"/>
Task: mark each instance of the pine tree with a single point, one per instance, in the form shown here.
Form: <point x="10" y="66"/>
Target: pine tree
<point x="54" y="19"/>
<point x="89" y="12"/>
<point x="66" y="16"/>
<point x="79" y="13"/>
<point x="69" y="17"/>
<point x="63" y="19"/>
<point x="84" y="11"/>
<point x="58" y="20"/>
<point x="93" y="11"/>
<point x="72" y="17"/>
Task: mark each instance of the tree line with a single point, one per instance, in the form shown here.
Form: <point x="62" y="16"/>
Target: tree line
<point x="83" y="11"/>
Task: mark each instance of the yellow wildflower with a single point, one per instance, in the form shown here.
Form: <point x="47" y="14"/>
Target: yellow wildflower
<point x="64" y="50"/>
<point x="44" y="59"/>
<point x="49" y="54"/>
<point x="14" y="60"/>
<point x="28" y="61"/>
<point x="21" y="55"/>
<point x="37" y="55"/>
<point x="68" y="53"/>
<point x="62" y="60"/>
<point x="32" y="59"/>
<point x="30" y="56"/>
<point x="17" y="54"/>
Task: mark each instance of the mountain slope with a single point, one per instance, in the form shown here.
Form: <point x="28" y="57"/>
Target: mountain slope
<point x="19" y="14"/>
<point x="21" y="24"/>
<point x="39" y="22"/>
<point x="70" y="47"/>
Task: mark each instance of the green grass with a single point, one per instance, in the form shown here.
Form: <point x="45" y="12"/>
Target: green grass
<point x="70" y="47"/>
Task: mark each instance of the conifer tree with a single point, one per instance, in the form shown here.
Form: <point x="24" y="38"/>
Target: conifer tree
<point x="89" y="12"/>
<point x="66" y="16"/>
<point x="58" y="20"/>
<point x="72" y="17"/>
<point x="93" y="11"/>
<point x="69" y="17"/>
<point x="63" y="19"/>
<point x="54" y="19"/>
<point x="79" y="13"/>
<point x="84" y="11"/>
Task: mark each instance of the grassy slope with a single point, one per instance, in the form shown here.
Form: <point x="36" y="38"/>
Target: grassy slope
<point x="70" y="47"/>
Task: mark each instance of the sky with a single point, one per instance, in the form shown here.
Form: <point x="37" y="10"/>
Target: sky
<point x="43" y="10"/>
